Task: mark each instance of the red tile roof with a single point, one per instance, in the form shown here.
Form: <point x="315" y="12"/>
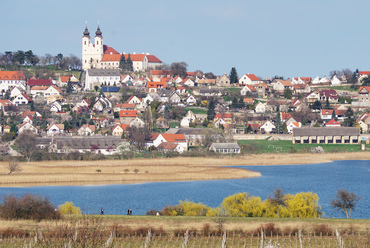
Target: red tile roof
<point x="153" y="59"/>
<point x="168" y="146"/>
<point x="306" y="79"/>
<point x="169" y="137"/>
<point x="39" y="82"/>
<point x="123" y="126"/>
<point x="333" y="122"/>
<point x="223" y="116"/>
<point x="252" y="77"/>
<point x="6" y="103"/>
<point x="285" y="116"/>
<point x="109" y="50"/>
<point x="362" y="73"/>
<point x="161" y="72"/>
<point x="12" y="75"/>
<point x="64" y="79"/>
<point x="124" y="106"/>
<point x="366" y="87"/>
<point x="128" y="113"/>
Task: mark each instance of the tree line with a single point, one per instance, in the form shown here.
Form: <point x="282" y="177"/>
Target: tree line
<point x="300" y="205"/>
<point x="21" y="58"/>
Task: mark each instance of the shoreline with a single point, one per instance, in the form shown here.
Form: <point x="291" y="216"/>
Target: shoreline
<point x="107" y="172"/>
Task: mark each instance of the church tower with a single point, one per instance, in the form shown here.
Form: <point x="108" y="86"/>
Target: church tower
<point x="92" y="53"/>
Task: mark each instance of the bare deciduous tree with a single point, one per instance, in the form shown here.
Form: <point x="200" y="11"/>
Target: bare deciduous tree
<point x="277" y="199"/>
<point x="13" y="166"/>
<point x="26" y="144"/>
<point x="345" y="201"/>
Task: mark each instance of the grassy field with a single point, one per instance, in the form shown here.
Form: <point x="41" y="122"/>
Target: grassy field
<point x="197" y="110"/>
<point x="182" y="231"/>
<point x="285" y="146"/>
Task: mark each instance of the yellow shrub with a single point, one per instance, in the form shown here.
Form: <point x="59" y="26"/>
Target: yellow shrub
<point x="69" y="208"/>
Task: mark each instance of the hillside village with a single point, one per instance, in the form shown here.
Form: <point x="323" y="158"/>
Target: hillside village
<point x="118" y="102"/>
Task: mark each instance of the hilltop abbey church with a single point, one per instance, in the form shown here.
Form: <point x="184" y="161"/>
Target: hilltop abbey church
<point x="98" y="56"/>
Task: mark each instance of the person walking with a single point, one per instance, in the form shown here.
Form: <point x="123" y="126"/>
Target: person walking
<point x="102" y="211"/>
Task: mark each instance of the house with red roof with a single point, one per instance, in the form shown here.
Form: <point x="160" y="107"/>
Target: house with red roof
<point x="227" y="118"/>
<point x="301" y="80"/>
<point x="250" y="79"/>
<point x="364" y="94"/>
<point x="171" y="146"/>
<point x="329" y="94"/>
<point x="327" y="114"/>
<point x="301" y="88"/>
<point x="39" y="82"/>
<point x="127" y="114"/>
<point x="293" y="124"/>
<point x="10" y="79"/>
<point x="157" y="139"/>
<point x="86" y="130"/>
<point x="5" y="105"/>
<point x="247" y="89"/>
<point x="135" y="100"/>
<point x="333" y="123"/>
<point x="119" y="129"/>
<point x="22" y="99"/>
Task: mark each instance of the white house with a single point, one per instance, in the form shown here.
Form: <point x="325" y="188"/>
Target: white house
<point x="86" y="130"/>
<point x="267" y="127"/>
<point x="189" y="117"/>
<point x="335" y="80"/>
<point x="247" y="89"/>
<point x="55" y="107"/>
<point x="16" y="91"/>
<point x="22" y="99"/>
<point x="157" y="139"/>
<point x="293" y="124"/>
<point x="190" y="100"/>
<point x="27" y="127"/>
<point x="250" y="79"/>
<point x="55" y="129"/>
<point x="260" y="108"/>
<point x="225" y="147"/>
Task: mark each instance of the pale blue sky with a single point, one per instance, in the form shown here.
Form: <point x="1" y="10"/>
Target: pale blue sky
<point x="265" y="37"/>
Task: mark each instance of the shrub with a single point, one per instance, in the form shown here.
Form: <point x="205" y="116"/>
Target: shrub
<point x="69" y="208"/>
<point x="322" y="229"/>
<point x="29" y="206"/>
<point x="152" y="212"/>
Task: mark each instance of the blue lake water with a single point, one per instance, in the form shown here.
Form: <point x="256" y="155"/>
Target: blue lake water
<point x="324" y="179"/>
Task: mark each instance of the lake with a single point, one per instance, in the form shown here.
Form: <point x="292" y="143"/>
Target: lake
<point x="324" y="179"/>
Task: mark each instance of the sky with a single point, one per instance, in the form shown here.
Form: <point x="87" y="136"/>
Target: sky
<point x="290" y="38"/>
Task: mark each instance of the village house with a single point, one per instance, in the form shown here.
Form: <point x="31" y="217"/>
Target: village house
<point x="171" y="146"/>
<point x="119" y="129"/>
<point x="330" y="95"/>
<point x="282" y="85"/>
<point x="22" y="99"/>
<point x="262" y="89"/>
<point x="267" y="127"/>
<point x="247" y="89"/>
<point x="55" y="129"/>
<point x="223" y="81"/>
<point x="260" y="108"/>
<point x="250" y="79"/>
<point x="27" y="127"/>
<point x="187" y="119"/>
<point x="101" y="77"/>
<point x="332" y="123"/>
<point x="156" y="139"/>
<point x="86" y="130"/>
<point x="127" y="116"/>
<point x="161" y="122"/>
<point x="363" y="94"/>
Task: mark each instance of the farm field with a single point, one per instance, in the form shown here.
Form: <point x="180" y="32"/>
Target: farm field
<point x="167" y="231"/>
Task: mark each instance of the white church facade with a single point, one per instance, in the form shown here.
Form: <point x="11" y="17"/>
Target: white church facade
<point x="95" y="55"/>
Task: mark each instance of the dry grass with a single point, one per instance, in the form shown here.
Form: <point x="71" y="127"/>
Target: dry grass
<point x="152" y="170"/>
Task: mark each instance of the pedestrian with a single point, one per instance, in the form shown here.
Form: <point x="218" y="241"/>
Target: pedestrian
<point x="102" y="211"/>
<point x="128" y="211"/>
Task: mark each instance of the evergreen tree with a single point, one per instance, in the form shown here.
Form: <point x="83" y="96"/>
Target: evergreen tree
<point x="122" y="62"/>
<point x="249" y="129"/>
<point x="333" y="115"/>
<point x="316" y="105"/>
<point x="278" y="124"/>
<point x="69" y="87"/>
<point x="234" y="103"/>
<point x="233" y="76"/>
<point x="211" y="110"/>
<point x="129" y="65"/>
<point x="350" y="119"/>
<point x="288" y="93"/>
<point x="327" y="104"/>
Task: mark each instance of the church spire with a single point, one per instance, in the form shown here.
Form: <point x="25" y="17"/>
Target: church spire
<point x="86" y="32"/>
<point x="98" y="32"/>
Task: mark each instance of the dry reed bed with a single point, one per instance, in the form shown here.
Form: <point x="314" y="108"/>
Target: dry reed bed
<point x="152" y="170"/>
